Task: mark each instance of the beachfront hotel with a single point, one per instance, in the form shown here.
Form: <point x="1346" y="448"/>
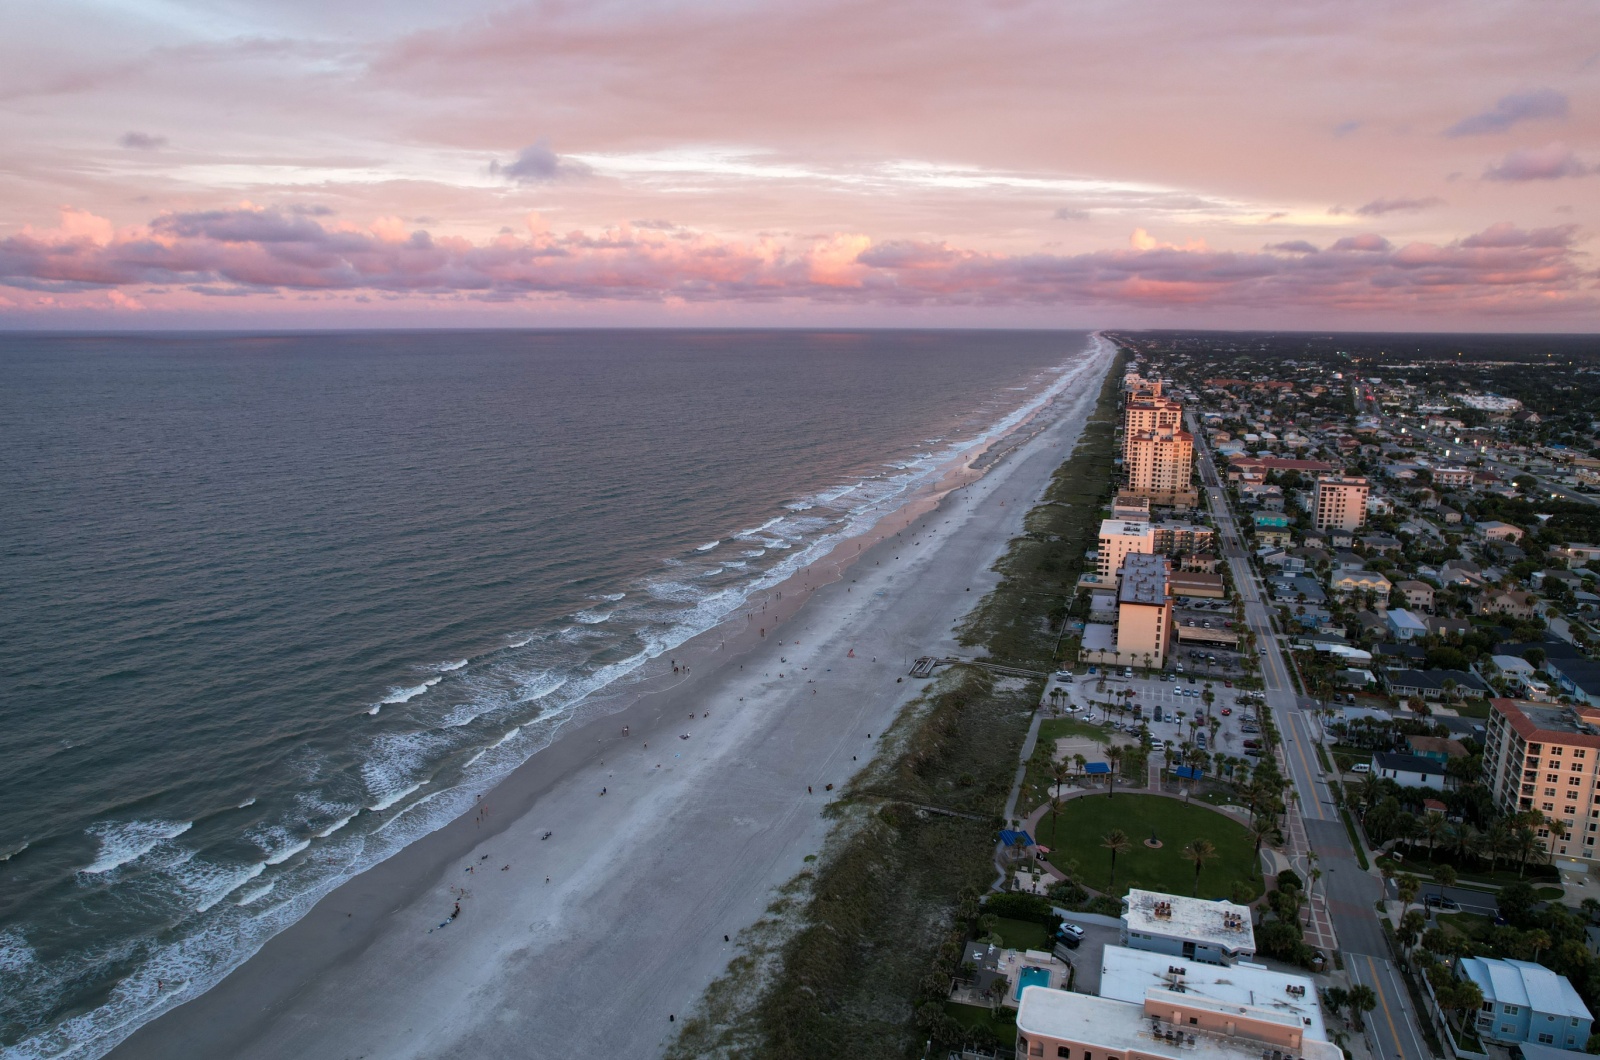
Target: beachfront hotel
<point x="1144" y="631"/>
<point x="1544" y="757"/>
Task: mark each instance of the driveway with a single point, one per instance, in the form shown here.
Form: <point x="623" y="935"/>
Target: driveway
<point x="1086" y="958"/>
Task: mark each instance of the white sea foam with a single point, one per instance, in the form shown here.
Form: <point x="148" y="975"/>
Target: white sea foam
<point x="592" y="618"/>
<point x="15" y="953"/>
<point x="507" y="736"/>
<point x="447" y="667"/>
<point x="474" y="758"/>
<point x="335" y="826"/>
<point x="754" y="553"/>
<point x="257" y="893"/>
<point x="405" y="695"/>
<point x="753" y="531"/>
<point x="122" y="842"/>
<point x="523" y="643"/>
<point x="225" y="883"/>
<point x="390" y="800"/>
<point x="14" y="853"/>
<point x="288" y="852"/>
<point x="707" y="548"/>
<point x="613" y="597"/>
<point x="251" y="801"/>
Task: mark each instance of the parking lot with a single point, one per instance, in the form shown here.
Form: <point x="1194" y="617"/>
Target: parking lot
<point x="1177" y="694"/>
<point x="1089" y="953"/>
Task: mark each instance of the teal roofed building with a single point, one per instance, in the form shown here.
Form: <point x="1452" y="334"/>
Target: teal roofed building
<point x="1276" y="520"/>
<point x="1525" y="1002"/>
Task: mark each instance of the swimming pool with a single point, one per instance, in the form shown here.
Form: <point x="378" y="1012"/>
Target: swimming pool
<point x="1032" y="977"/>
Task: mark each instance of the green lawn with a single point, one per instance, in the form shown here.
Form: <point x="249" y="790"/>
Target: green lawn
<point x="1002" y="1024"/>
<point x="1473" y="708"/>
<point x="1022" y="934"/>
<point x="1054" y="729"/>
<point x="1077" y="837"/>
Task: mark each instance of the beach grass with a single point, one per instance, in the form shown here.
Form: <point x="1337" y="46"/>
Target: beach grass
<point x="1077" y="836"/>
<point x="881" y="919"/>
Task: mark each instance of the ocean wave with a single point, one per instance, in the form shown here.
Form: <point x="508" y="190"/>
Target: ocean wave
<point x="405" y="695"/>
<point x="14" y="853"/>
<point x="340" y="823"/>
<point x="707" y="548"/>
<point x="257" y="893"/>
<point x="217" y="886"/>
<point x="447" y="667"/>
<point x="123" y="842"/>
<point x="753" y="531"/>
<point x="507" y="736"/>
<point x="389" y="800"/>
<point x="612" y="597"/>
<point x="592" y="618"/>
<point x="754" y="553"/>
<point x="15" y="953"/>
<point x="251" y="801"/>
<point x="288" y="851"/>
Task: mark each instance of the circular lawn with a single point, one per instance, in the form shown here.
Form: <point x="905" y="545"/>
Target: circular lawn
<point x="1077" y="838"/>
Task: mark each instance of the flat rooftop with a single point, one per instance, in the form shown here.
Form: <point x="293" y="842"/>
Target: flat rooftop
<point x="1127" y="974"/>
<point x="1144" y="579"/>
<point x="1540" y="723"/>
<point x="1125" y="528"/>
<point x="1221" y="924"/>
<point x="1124" y="1028"/>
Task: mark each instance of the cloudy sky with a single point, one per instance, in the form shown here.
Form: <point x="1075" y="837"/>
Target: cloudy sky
<point x="1242" y="163"/>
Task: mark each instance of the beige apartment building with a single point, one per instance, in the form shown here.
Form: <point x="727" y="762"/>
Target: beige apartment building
<point x="1144" y="609"/>
<point x="1160" y="465"/>
<point x="1341" y="502"/>
<point x="1546" y="757"/>
<point x="1151" y="414"/>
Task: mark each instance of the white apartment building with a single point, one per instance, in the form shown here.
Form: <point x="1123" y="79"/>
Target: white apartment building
<point x="1341" y="502"/>
<point x="1119" y="537"/>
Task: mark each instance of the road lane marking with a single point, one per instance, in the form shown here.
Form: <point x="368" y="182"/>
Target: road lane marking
<point x="1411" y="1026"/>
<point x="1378" y="989"/>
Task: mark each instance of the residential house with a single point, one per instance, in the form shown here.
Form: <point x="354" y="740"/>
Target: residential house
<point x="1526" y="1002"/>
<point x="1418" y="594"/>
<point x="1439" y="748"/>
<point x="1360" y="581"/>
<point x="1498" y="531"/>
<point x="1409" y="771"/>
<point x="1513" y="603"/>
<point x="1405" y="626"/>
<point x="1430" y="684"/>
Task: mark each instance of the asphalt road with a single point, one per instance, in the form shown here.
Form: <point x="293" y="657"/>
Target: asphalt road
<point x="1351" y="893"/>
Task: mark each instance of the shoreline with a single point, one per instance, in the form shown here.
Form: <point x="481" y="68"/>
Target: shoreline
<point x="319" y="986"/>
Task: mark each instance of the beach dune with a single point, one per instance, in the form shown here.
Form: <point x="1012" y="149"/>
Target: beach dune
<point x="590" y="941"/>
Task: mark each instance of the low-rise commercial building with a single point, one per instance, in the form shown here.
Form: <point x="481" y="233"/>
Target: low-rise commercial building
<point x="1189" y="928"/>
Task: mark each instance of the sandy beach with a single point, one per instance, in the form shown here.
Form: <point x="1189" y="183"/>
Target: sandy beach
<point x="660" y="846"/>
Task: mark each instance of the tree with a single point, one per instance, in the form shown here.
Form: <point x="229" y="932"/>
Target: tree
<point x="1406" y="888"/>
<point x="1362" y="1000"/>
<point x="1409" y="933"/>
<point x="1199" y="851"/>
<point x="1444" y="876"/>
<point x="1261" y="830"/>
<point x="1434" y="827"/>
<point x="1055" y="815"/>
<point x="1336" y="998"/>
<point x="1114" y="756"/>
<point x="1117" y="842"/>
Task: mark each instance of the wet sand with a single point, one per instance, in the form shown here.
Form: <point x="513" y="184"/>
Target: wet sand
<point x="686" y="844"/>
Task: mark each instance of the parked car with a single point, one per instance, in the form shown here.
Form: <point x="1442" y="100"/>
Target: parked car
<point x="1444" y="903"/>
<point x="1071" y="934"/>
<point x="1361" y="767"/>
<point x="1252" y="743"/>
<point x="1227" y="684"/>
<point x="1158" y="745"/>
<point x="1065" y="675"/>
<point x="1252" y="752"/>
<point x="1226" y="711"/>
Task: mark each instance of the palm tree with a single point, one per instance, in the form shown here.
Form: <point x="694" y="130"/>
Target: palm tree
<point x="1406" y="888"/>
<point x="1055" y="813"/>
<point x="1059" y="771"/>
<point x="1444" y="876"/>
<point x="1079" y="761"/>
<point x="1117" y="842"/>
<point x="1114" y="757"/>
<point x="1361" y="999"/>
<point x="1434" y="827"/>
<point x="1261" y="830"/>
<point x="1198" y="851"/>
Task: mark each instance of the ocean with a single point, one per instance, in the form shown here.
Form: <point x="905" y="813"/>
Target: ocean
<point x="274" y="606"/>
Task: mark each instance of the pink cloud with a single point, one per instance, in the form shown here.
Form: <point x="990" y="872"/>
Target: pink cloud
<point x="1550" y="162"/>
<point x="267" y="252"/>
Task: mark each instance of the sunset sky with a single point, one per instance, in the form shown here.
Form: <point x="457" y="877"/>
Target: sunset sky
<point x="1430" y="166"/>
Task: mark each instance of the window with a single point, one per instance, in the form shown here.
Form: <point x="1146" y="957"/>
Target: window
<point x="1557" y="750"/>
<point x="1506" y="1028"/>
<point x="1552" y="778"/>
<point x="1579" y="752"/>
<point x="1510" y="1010"/>
<point x="1573" y="782"/>
<point x="1547" y="1039"/>
<point x="1063" y="1052"/>
<point x="1577" y="767"/>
